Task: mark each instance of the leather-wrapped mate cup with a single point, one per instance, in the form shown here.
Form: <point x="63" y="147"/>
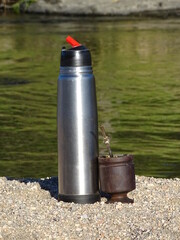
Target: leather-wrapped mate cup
<point x="117" y="177"/>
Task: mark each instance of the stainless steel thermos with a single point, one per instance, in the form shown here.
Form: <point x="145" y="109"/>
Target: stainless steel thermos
<point x="77" y="127"/>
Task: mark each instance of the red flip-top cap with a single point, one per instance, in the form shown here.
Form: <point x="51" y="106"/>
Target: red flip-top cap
<point x="72" y="41"/>
<point x="77" y="56"/>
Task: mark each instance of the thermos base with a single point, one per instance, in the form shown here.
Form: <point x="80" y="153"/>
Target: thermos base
<point x="82" y="199"/>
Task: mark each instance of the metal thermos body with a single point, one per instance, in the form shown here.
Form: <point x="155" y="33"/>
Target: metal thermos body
<point x="77" y="128"/>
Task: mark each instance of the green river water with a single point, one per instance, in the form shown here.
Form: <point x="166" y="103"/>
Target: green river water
<point x="137" y="68"/>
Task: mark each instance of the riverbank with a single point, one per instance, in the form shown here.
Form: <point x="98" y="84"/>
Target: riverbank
<point x="106" y="7"/>
<point x="29" y="210"/>
<point x="101" y="7"/>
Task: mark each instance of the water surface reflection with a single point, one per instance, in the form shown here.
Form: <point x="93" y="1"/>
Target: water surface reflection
<point x="136" y="64"/>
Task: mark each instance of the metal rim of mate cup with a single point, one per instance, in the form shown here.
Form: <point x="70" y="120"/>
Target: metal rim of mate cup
<point x="117" y="177"/>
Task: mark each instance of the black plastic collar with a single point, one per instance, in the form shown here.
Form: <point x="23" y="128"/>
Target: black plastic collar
<point x="75" y="57"/>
